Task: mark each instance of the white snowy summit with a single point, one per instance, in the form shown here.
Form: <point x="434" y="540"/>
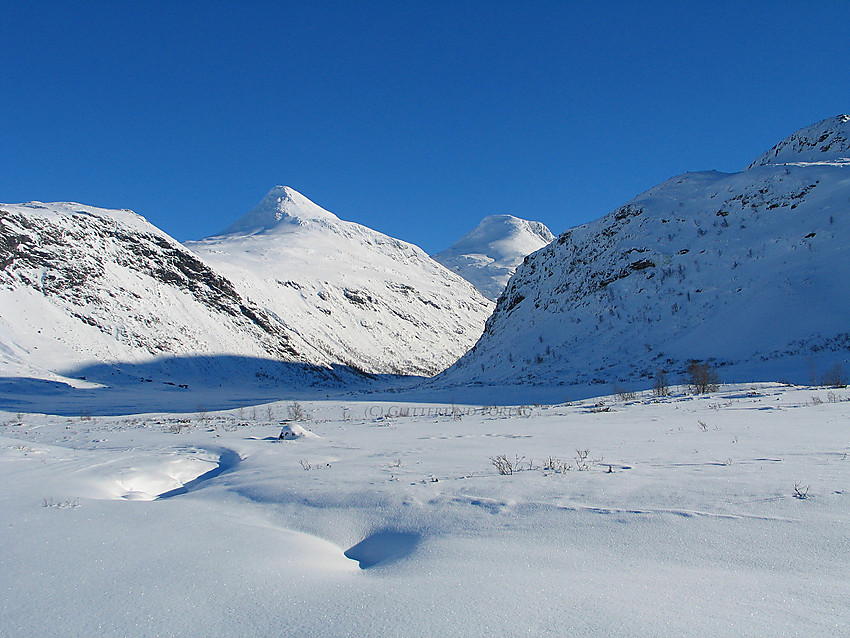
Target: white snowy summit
<point x="351" y="295"/>
<point x="749" y="271"/>
<point x="488" y="255"/>
<point x="281" y="206"/>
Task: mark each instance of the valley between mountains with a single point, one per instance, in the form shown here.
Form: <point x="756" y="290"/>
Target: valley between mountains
<point x="300" y="426"/>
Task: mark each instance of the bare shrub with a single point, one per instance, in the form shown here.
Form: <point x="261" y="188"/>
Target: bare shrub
<point x="505" y="466"/>
<point x="457" y="414"/>
<point x="702" y="378"/>
<point x="600" y="407"/>
<point x="69" y="503"/>
<point x="660" y="385"/>
<point x="582" y="464"/>
<point x="800" y="491"/>
<point x="203" y="415"/>
<point x="623" y="394"/>
<point x="296" y="412"/>
<point x="176" y="427"/>
<point x="834" y="376"/>
<point x="554" y="464"/>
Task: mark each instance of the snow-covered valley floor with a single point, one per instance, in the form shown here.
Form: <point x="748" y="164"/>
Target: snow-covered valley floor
<point x="723" y="514"/>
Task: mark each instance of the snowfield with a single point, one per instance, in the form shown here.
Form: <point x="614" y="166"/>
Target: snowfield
<point x="718" y="514"/>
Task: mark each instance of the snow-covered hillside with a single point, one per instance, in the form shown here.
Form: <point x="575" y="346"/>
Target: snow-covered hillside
<point x="748" y="270"/>
<point x="82" y="286"/>
<point x="356" y="296"/>
<point x="488" y="255"/>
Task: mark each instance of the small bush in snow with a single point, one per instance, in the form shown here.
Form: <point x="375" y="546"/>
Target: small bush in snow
<point x="660" y="385"/>
<point x="70" y="503"/>
<point x="834" y="377"/>
<point x="801" y="491"/>
<point x="504" y="465"/>
<point x="203" y="415"/>
<point x="582" y="464"/>
<point x="554" y="464"/>
<point x="623" y="394"/>
<point x="296" y="412"/>
<point x="176" y="427"/>
<point x="702" y="378"/>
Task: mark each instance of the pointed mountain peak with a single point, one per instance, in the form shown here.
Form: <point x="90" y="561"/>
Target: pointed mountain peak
<point x="826" y="141"/>
<point x="282" y="205"/>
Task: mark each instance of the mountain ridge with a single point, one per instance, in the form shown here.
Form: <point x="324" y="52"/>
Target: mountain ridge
<point x="82" y="286"/>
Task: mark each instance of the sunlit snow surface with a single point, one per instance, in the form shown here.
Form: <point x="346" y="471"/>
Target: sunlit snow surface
<point x="392" y="520"/>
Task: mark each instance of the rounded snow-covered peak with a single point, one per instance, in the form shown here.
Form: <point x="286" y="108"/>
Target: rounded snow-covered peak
<point x="487" y="255"/>
<point x="498" y="229"/>
<point x="282" y="205"/>
<point x="826" y="141"/>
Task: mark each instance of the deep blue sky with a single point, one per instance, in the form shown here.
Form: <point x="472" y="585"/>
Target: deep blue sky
<point x="413" y="118"/>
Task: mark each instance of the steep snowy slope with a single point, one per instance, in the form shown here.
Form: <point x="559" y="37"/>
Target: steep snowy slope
<point x="750" y="270"/>
<point x="83" y="286"/>
<point x="488" y="255"/>
<point x="356" y="296"/>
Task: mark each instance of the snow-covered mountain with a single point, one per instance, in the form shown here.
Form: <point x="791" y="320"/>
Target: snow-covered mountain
<point x="748" y="270"/>
<point x="289" y="295"/>
<point x="83" y="286"/>
<point x="488" y="255"/>
<point x="353" y="295"/>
